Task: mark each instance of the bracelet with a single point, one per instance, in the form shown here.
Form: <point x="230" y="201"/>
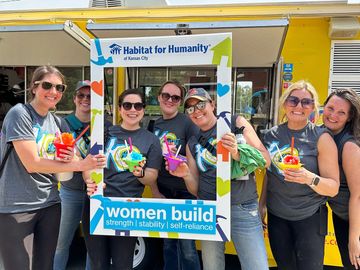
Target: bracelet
<point x="142" y="173"/>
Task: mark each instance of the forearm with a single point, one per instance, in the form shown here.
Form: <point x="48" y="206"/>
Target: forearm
<point x="326" y="187"/>
<point x="192" y="184"/>
<point x="44" y="165"/>
<point x="354" y="218"/>
<point x="150" y="176"/>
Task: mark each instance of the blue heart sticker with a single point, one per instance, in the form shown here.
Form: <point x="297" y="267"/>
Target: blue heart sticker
<point x="222" y="89"/>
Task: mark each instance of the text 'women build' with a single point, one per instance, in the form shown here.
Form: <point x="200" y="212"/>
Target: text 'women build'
<point x="160" y="217"/>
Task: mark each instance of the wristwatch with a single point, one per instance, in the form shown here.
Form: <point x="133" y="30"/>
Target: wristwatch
<point x="315" y="181"/>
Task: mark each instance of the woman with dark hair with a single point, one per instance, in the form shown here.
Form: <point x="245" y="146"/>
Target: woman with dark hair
<point x="29" y="199"/>
<point x="120" y="182"/>
<point x="342" y="117"/>
<point x="177" y="129"/>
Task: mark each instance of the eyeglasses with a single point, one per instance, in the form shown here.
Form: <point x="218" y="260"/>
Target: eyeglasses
<point x="82" y="96"/>
<point x="167" y="96"/>
<point x="200" y="106"/>
<point x="137" y="106"/>
<point x="48" y="85"/>
<point x="293" y="101"/>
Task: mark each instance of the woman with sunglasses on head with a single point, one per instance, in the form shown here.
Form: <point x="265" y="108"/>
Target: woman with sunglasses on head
<point x="29" y="199"/>
<point x="199" y="175"/>
<point x="342" y="117"/>
<point x="120" y="182"/>
<point x="296" y="197"/>
<point x="176" y="128"/>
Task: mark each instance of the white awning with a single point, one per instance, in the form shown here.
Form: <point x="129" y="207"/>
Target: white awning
<point x="256" y="43"/>
<point x="54" y="44"/>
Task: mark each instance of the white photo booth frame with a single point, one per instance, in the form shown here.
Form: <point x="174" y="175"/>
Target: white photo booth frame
<point x="166" y="218"/>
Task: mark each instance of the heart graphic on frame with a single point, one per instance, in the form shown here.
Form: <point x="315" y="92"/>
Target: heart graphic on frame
<point x="97" y="87"/>
<point x="222" y="187"/>
<point x="222" y="89"/>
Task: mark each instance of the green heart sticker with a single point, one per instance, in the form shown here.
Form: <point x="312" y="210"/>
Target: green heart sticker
<point x="222" y="187"/>
<point x="96" y="177"/>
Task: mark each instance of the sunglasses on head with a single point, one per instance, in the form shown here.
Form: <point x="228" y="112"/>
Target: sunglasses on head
<point x="293" y="101"/>
<point x="167" y="96"/>
<point x="82" y="96"/>
<point x="137" y="106"/>
<point x="48" y="85"/>
<point x="200" y="106"/>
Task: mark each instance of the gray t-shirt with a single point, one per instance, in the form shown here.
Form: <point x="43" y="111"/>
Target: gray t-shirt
<point x="119" y="181"/>
<point x="241" y="191"/>
<point x="287" y="200"/>
<point x="177" y="130"/>
<point x="21" y="191"/>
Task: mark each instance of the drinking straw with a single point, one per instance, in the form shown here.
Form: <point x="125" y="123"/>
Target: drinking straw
<point x="82" y="133"/>
<point x="292" y="146"/>
<point x="167" y="145"/>
<point x="57" y="133"/>
<point x="130" y="142"/>
<point x="177" y="152"/>
<point x="282" y="159"/>
<point x="127" y="147"/>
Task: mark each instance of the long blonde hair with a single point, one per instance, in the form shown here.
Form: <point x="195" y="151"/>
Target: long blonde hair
<point x="299" y="85"/>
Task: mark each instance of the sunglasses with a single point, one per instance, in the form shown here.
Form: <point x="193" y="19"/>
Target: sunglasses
<point x="48" y="85"/>
<point x="293" y="101"/>
<point x="200" y="106"/>
<point x="82" y="96"/>
<point x="137" y="106"/>
<point x="167" y="96"/>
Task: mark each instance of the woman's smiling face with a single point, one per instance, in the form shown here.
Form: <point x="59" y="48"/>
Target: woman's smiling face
<point x="336" y="114"/>
<point x="131" y="117"/>
<point x="47" y="99"/>
<point x="300" y="112"/>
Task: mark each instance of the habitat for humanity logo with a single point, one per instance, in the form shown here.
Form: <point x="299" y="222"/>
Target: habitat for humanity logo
<point x="115" y="48"/>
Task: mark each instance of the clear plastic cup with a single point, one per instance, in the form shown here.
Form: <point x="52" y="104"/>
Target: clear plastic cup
<point x="64" y="176"/>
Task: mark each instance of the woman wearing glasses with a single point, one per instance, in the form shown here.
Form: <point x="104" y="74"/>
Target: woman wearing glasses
<point x="296" y="198"/>
<point x="120" y="182"/>
<point x="29" y="199"/>
<point x="342" y="117"/>
<point x="72" y="192"/>
<point x="200" y="178"/>
<point x="176" y="128"/>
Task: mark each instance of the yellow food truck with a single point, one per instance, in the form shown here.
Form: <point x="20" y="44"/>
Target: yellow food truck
<point x="275" y="43"/>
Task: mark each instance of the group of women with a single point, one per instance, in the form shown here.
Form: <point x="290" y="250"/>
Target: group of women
<point x="295" y="198"/>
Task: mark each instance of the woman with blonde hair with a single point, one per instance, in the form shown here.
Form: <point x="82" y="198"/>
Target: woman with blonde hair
<point x="296" y="197"/>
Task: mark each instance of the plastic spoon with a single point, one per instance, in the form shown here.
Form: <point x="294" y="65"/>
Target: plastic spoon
<point x="292" y="146"/>
<point x="130" y="142"/>
<point x="58" y="135"/>
<point x="282" y="159"/>
<point x="177" y="152"/>
<point x="127" y="147"/>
